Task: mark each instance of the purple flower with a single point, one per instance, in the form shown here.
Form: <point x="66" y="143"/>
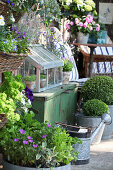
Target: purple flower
<point x="16" y="140"/>
<point x="28" y="39"/>
<point x="35" y="146"/>
<point x="29" y="93"/>
<point x="48" y="125"/>
<point x="24" y="35"/>
<point x="30" y="141"/>
<point x="22" y="131"/>
<point x="8" y="1"/>
<point x="25" y="142"/>
<point x="44" y="136"/>
<point x="29" y="137"/>
<point x="12" y="4"/>
<point x="9" y="139"/>
<point x="15" y="48"/>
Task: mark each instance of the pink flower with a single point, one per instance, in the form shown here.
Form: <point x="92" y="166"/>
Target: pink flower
<point x="30" y="141"/>
<point x="85" y="25"/>
<point x="35" y="146"/>
<point x="22" y="131"/>
<point x="98" y="29"/>
<point x="29" y="137"/>
<point x="81" y="24"/>
<point x="72" y="23"/>
<point x="67" y="26"/>
<point x="44" y="136"/>
<point x="48" y="125"/>
<point x="89" y="19"/>
<point x="90" y="28"/>
<point x="16" y="140"/>
<point x="76" y="20"/>
<point x="25" y="142"/>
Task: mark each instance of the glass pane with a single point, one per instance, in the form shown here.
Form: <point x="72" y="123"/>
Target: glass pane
<point x="43" y="78"/>
<point x="29" y="75"/>
<point x="51" y="76"/>
<point x="58" y="76"/>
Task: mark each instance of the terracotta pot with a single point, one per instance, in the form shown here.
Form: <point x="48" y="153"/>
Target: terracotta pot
<point x="42" y="83"/>
<point x="30" y="84"/>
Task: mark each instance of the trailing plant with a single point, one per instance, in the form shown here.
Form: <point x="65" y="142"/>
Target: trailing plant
<point x="30" y="78"/>
<point x="98" y="87"/>
<point x="95" y="108"/>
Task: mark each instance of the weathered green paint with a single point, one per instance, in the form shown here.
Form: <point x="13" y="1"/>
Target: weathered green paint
<point x="56" y="104"/>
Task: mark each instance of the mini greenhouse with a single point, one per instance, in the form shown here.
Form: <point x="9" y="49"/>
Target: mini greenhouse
<point x="46" y="66"/>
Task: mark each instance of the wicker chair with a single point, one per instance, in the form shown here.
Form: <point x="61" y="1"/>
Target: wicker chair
<point x="102" y="63"/>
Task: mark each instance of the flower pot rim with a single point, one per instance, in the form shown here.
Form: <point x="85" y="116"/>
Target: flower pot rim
<point x="4" y="161"/>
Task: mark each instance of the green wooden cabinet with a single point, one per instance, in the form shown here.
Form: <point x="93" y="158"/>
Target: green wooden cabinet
<point x="56" y="104"/>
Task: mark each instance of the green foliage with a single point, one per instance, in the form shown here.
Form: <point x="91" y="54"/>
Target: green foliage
<point x="95" y="108"/>
<point x="68" y="65"/>
<point x="63" y="145"/>
<point x="30" y="78"/>
<point x="12" y="85"/>
<point x="50" y="146"/>
<point x="98" y="87"/>
<point x="43" y="76"/>
<point x="8" y="107"/>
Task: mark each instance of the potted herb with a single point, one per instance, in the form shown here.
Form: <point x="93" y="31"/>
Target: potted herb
<point x="100" y="87"/>
<point x="30" y="81"/>
<point x="92" y="111"/>
<point x="43" y="80"/>
<point x="67" y="68"/>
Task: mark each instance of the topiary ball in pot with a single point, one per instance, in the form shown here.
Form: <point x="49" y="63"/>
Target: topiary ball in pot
<point x="98" y="87"/>
<point x="95" y="108"/>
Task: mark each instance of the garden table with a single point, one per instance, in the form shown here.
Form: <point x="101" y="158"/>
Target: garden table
<point x="92" y="47"/>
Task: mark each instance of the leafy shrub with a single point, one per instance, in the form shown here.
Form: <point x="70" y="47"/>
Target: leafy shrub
<point x="95" y="108"/>
<point x="30" y="78"/>
<point x="98" y="87"/>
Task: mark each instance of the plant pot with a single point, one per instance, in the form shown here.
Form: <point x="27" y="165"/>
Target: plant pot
<point x="9" y="166"/>
<point x="42" y="83"/>
<point x="82" y="38"/>
<point x="82" y="149"/>
<point x="30" y="84"/>
<point x="92" y="39"/>
<point x="66" y="76"/>
<point x="108" y="131"/>
<point x="87" y="121"/>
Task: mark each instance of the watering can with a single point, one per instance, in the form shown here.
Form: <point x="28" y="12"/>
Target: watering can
<point x="87" y="137"/>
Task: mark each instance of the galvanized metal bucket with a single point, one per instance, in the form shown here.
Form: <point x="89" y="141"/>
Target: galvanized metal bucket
<point x="108" y="130"/>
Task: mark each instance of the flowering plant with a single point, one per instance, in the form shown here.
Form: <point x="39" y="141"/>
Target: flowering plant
<point x="70" y="8"/>
<point x="50" y="146"/>
<point x="13" y="40"/>
<point x="85" y="24"/>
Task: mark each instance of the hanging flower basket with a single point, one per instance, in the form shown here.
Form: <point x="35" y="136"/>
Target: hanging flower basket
<point x="11" y="61"/>
<point x="5" y="11"/>
<point x="3" y="120"/>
